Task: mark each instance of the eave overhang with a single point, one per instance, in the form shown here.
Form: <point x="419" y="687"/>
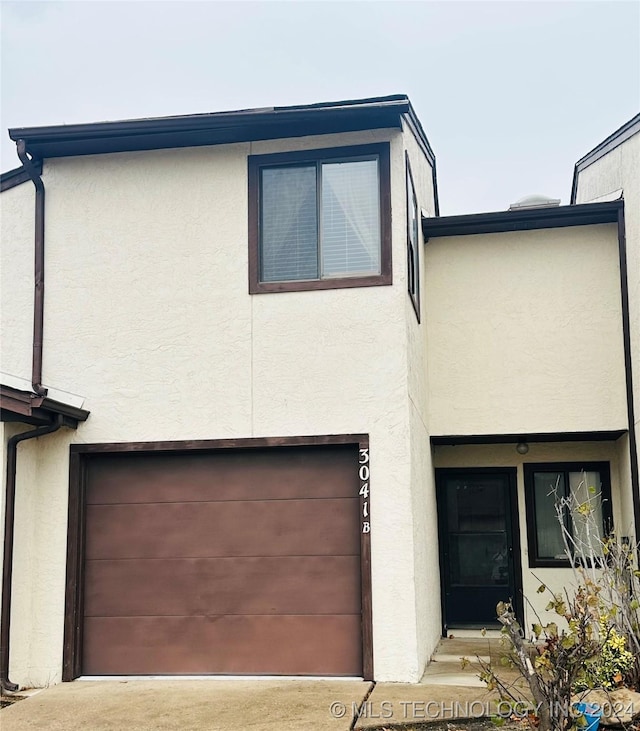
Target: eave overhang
<point x="453" y="440"/>
<point x="215" y="128"/>
<point x="28" y="408"/>
<point x="522" y="220"/>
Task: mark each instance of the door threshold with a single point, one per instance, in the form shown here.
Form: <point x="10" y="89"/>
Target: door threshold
<point x="473" y="633"/>
<point x="132" y="678"/>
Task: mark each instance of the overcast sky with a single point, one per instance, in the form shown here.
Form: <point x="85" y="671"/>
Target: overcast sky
<point x="510" y="94"/>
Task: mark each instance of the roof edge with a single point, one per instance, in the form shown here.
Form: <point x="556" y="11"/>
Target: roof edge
<point x="212" y="128"/>
<point x="522" y="220"/>
<point x="417" y="130"/>
<point x="614" y="140"/>
<point x="28" y="408"/>
<point x="17" y="176"/>
<point x="578" y="436"/>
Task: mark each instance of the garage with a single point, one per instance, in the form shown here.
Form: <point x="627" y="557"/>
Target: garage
<point x="226" y="561"/>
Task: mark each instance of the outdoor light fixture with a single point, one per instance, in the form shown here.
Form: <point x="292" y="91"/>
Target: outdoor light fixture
<point x="522" y="447"/>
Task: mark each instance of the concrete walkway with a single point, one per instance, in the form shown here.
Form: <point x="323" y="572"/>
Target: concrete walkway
<point x="189" y="705"/>
<point x="448" y="690"/>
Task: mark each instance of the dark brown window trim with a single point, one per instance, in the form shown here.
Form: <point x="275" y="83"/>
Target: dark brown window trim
<point x="256" y="162"/>
<point x="80" y="454"/>
<point x="530" y="468"/>
<point x="413" y="247"/>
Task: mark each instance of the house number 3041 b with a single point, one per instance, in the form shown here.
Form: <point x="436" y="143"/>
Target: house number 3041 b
<point x="363" y="475"/>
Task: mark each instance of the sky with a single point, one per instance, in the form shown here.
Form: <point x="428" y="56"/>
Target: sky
<point x="510" y="93"/>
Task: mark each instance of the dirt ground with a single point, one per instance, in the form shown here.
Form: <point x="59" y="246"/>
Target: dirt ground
<point x="479" y="724"/>
<point x="9" y="700"/>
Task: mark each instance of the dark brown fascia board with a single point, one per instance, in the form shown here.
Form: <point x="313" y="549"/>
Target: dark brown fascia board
<point x="212" y="129"/>
<point x="586" y="436"/>
<point x="26" y="407"/>
<point x="622" y="134"/>
<point x="523" y="220"/>
<point x="189" y="445"/>
<point x="418" y="132"/>
<point x="15" y="402"/>
<point x="17" y="176"/>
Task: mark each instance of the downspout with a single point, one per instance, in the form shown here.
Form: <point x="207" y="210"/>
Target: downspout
<point x="628" y="368"/>
<point x="7" y="559"/>
<point x="38" y="296"/>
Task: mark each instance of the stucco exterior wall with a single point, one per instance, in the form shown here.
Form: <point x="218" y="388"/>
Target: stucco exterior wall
<point x="620" y="170"/>
<point x="16" y="279"/>
<point x="148" y="317"/>
<point x="525" y="332"/>
<point x="425" y="524"/>
<point x="505" y="455"/>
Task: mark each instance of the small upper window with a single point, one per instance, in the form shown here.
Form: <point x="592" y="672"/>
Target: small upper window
<point x="319" y="219"/>
<point x="586" y="487"/>
<point x="413" y="246"/>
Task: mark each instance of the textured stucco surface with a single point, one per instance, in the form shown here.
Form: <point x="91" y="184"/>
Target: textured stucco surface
<point x="16" y="278"/>
<point x="148" y="317"/>
<point x="425" y="531"/>
<point x="525" y="332"/>
<point x="505" y="455"/>
<point x="620" y="169"/>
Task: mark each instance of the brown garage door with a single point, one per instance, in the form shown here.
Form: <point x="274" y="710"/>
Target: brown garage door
<point x="239" y="562"/>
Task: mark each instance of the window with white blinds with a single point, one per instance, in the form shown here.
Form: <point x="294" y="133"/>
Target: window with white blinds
<point x="350" y="218"/>
<point x="320" y="220"/>
<point x="289" y="248"/>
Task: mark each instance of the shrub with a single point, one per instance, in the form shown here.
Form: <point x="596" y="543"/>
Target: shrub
<point x="613" y="662"/>
<point x="596" y="640"/>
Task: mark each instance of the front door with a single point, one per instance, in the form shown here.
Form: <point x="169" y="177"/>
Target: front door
<point x="479" y="547"/>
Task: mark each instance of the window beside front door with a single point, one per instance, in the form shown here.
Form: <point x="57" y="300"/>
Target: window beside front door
<point x="319" y="219"/>
<point x="587" y="486"/>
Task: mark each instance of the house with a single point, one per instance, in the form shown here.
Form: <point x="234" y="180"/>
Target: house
<point x="267" y="413"/>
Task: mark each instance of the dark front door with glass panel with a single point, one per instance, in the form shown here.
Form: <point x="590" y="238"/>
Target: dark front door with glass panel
<point x="479" y="548"/>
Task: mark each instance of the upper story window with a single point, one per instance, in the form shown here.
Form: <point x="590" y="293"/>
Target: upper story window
<point x="413" y="245"/>
<point x="320" y="219"/>
<point x="587" y="487"/>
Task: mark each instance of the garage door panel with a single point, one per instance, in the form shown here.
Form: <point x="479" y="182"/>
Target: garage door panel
<point x="239" y="562"/>
<point x="271" y="645"/>
<point x="255" y="528"/>
<point x="165" y="587"/>
<point x="247" y="475"/>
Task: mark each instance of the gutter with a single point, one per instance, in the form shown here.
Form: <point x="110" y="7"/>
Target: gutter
<point x="7" y="563"/>
<point x="525" y="219"/>
<point x="626" y="336"/>
<point x="246" y="125"/>
<point x="38" y="296"/>
<point x="17" y="176"/>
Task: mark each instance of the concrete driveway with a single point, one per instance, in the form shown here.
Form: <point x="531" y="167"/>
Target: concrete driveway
<point x="189" y="705"/>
